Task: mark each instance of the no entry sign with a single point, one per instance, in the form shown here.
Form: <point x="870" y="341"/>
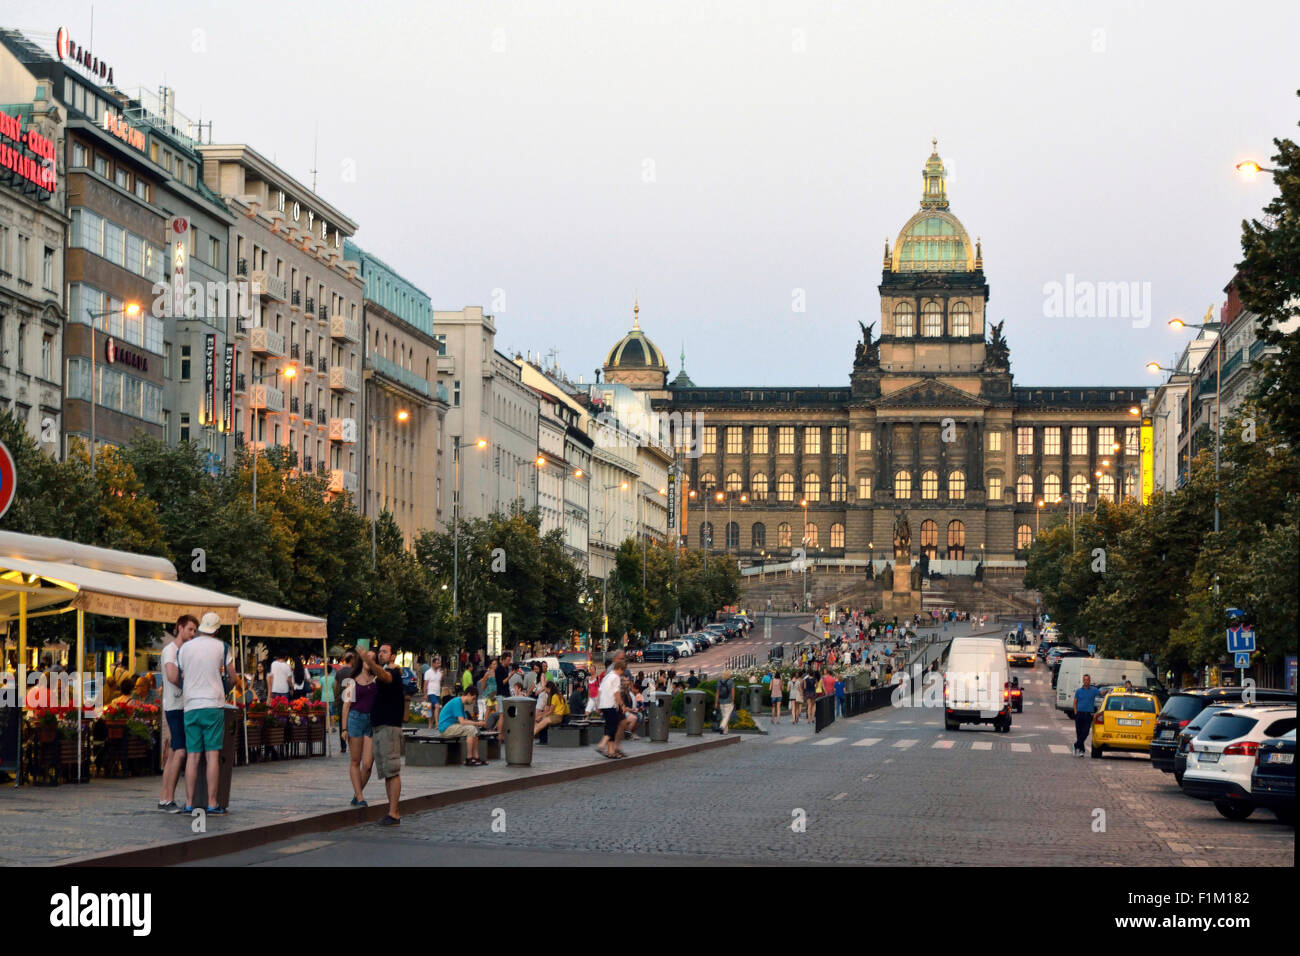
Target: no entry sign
<point x="8" y="479"/>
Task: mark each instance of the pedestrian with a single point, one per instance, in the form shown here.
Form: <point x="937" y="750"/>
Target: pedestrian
<point x="328" y="692"/>
<point x="202" y="661"/>
<point x="301" y="686"/>
<point x="1085" y="703"/>
<point x="777" y="693"/>
<point x="724" y="699"/>
<point x="455" y="721"/>
<point x="692" y="681"/>
<point x="796" y="695"/>
<point x="627" y="702"/>
<point x="357" y="707"/>
<point x="839" y="696"/>
<point x="608" y="704"/>
<point x="173" y="708"/>
<point x="554" y="711"/>
<point x="386" y="727"/>
<point x="281" y="677"/>
<point x="259" y="682"/>
<point x="433" y="690"/>
<point x="344" y="681"/>
<point x="810" y="694"/>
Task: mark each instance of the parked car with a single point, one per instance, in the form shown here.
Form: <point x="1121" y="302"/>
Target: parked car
<point x="1125" y="720"/>
<point x="1272" y="782"/>
<point x="684" y="647"/>
<point x="579" y="659"/>
<point x="1221" y="758"/>
<point x="661" y="653"/>
<point x="1184" y="705"/>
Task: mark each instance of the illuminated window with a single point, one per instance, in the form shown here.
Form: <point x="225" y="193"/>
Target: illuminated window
<point x="932" y="320"/>
<point x="710" y="440"/>
<point x="1052" y="440"/>
<point x="783" y="535"/>
<point x="995" y="440"/>
<point x="1079" y="442"/>
<point x="1131" y="443"/>
<point x="1105" y="441"/>
<point x="785" y="487"/>
<point x="810" y="535"/>
<point x="708" y="481"/>
<point x="1079" y="488"/>
<point x="759" y="439"/>
<point x="735" y="482"/>
<point x="1130" y="485"/>
<point x="929" y="539"/>
<point x="904" y="319"/>
<point x="960" y="316"/>
<point x="864" y="440"/>
<point x="956" y="540"/>
<point x="837" y="535"/>
<point x="1051" y="488"/>
<point x="758" y="487"/>
<point x="839" y="441"/>
<point x="994" y="483"/>
<point x="903" y="485"/>
<point x="734" y="441"/>
<point x="1024" y="441"/>
<point x="812" y="441"/>
<point x="812" y="487"/>
<point x="929" y="485"/>
<point x="839" y="487"/>
<point x="785" y="440"/>
<point x="957" y="485"/>
<point x="1025" y="489"/>
<point x="864" y="488"/>
<point x="1024" y="537"/>
<point x="1106" y="487"/>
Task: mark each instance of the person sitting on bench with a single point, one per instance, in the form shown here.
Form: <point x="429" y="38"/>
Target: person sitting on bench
<point x="556" y="709"/>
<point x="452" y="722"/>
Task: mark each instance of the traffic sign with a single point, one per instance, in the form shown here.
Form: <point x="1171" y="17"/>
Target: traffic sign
<point x="1241" y="661"/>
<point x="1241" y="639"/>
<point x="8" y="479"/>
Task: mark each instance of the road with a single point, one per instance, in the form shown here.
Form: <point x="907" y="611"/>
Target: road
<point x="890" y="787"/>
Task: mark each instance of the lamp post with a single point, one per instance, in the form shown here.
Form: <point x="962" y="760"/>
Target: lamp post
<point x="803" y="563"/>
<point x="289" y="373"/>
<point x="132" y="309"/>
<point x="457" y="445"/>
<point x="604" y="591"/>
<point x="402" y="416"/>
<point x="1038" y="510"/>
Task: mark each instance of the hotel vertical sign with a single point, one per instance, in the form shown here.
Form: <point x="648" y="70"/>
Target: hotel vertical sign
<point x="228" y="392"/>
<point x="178" y="237"/>
<point x="209" y="378"/>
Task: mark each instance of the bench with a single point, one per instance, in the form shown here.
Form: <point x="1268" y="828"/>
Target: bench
<point x="428" y="750"/>
<point x="573" y="734"/>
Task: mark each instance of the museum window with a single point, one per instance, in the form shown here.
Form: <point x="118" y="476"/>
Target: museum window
<point x="785" y="440"/>
<point x="812" y="440"/>
<point x="994" y="483"/>
<point x="839" y="440"/>
<point x="1106" y="441"/>
<point x="839" y="487"/>
<point x="932" y="320"/>
<point x="1130" y="485"/>
<point x="735" y="482"/>
<point x="1079" y="442"/>
<point x="758" y="487"/>
<point x="903" y="319"/>
<point x="706" y="534"/>
<point x="758" y="536"/>
<point x="710" y="439"/>
<point x="960" y="317"/>
<point x="956" y="540"/>
<point x="1024" y="441"/>
<point x="733" y="535"/>
<point x="995" y="440"/>
<point x="810" y="535"/>
<point x="1131" y="446"/>
<point x="957" y="485"/>
<point x="929" y="539"/>
<point x="929" y="485"/>
<point x="837" y="535"/>
<point x="864" y="440"/>
<point x="1051" y="488"/>
<point x="1106" y="487"/>
<point x="1025" y="489"/>
<point x="1052" y="440"/>
<point x="735" y="443"/>
<point x="783" y="535"/>
<point x="1024" y="537"/>
<point x="864" y="488"/>
<point x="708" y="482"/>
<point x="903" y="485"/>
<point x="758" y="439"/>
<point x="1079" y="488"/>
<point x="812" y="487"/>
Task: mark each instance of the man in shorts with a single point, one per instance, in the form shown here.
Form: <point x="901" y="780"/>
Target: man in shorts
<point x="202" y="661"/>
<point x="386" y="727"/>
<point x="173" y="708"/>
<point x="455" y="722"/>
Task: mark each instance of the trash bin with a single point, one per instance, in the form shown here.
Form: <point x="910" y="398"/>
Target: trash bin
<point x="227" y="765"/>
<point x="696" y="700"/>
<point x="516" y="726"/>
<point x="661" y="709"/>
<point x="755" y="699"/>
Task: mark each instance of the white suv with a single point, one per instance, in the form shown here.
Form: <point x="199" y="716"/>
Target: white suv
<point x="1221" y="757"/>
<point x="684" y="648"/>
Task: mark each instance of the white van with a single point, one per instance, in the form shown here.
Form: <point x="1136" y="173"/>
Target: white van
<point x="1103" y="670"/>
<point x="975" y="683"/>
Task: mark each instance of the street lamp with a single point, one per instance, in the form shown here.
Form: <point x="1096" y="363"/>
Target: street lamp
<point x="457" y="445"/>
<point x="289" y="373"/>
<point x="131" y="309"/>
<point x="1038" y="510"/>
<point x="604" y="591"/>
<point x="1249" y="168"/>
<point x="803" y="563"/>
<point x="402" y="416"/>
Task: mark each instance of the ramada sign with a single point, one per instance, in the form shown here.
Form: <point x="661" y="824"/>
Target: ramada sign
<point x="119" y="356"/>
<point x="68" y="50"/>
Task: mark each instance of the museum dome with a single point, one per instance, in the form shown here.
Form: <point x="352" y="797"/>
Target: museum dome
<point x="635" y="350"/>
<point x="934" y="240"/>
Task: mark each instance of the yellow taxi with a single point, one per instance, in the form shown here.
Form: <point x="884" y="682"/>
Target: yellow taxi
<point x="1125" y="720"/>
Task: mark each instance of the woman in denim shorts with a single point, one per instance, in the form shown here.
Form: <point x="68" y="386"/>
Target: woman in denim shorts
<point x="361" y="754"/>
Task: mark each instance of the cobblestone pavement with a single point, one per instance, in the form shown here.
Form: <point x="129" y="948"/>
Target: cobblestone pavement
<point x="890" y="787"/>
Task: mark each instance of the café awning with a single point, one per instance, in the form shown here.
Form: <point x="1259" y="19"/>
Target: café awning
<point x="263" y="620"/>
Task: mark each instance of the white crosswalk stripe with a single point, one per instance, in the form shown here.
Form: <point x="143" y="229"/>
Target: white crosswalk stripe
<point x="827" y="741"/>
<point x="1020" y="748"/>
<point x="942" y="745"/>
<point x="1058" y="748"/>
<point x="904" y="744"/>
<point x="981" y="745"/>
<point x="790" y="740"/>
<point x="867" y="741"/>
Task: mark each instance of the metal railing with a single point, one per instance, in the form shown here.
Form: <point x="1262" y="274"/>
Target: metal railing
<point x="741" y="661"/>
<point x="310" y="308"/>
<point x="295" y="297"/>
<point x="241" y="267"/>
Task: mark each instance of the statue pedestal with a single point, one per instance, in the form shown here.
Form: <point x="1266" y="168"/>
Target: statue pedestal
<point x="902" y="599"/>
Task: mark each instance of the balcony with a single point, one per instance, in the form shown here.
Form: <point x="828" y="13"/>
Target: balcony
<point x="241" y="383"/>
<point x="344" y="379"/>
<point x="341" y="481"/>
<point x="310" y="308"/>
<point x="322" y="417"/>
<point x="343" y="430"/>
<point x="343" y="327"/>
<point x="324" y="314"/>
<point x="309" y="361"/>
<point x="270" y="285"/>
<point x="295" y="351"/>
<point x="293" y="406"/>
<point x="266" y="342"/>
<point x="307" y="465"/>
<point x="241" y="268"/>
<point x="323" y="365"/>
<point x="266" y="397"/>
<point x="395" y="373"/>
<point x="295" y="299"/>
<point x="309" y="412"/>
<point x="447" y="364"/>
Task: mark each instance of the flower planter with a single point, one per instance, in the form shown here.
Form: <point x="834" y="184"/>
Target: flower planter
<point x="115" y="729"/>
<point x="46" y="734"/>
<point x="273" y="733"/>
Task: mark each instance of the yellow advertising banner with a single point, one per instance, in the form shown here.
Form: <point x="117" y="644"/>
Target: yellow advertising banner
<point x="262" y="627"/>
<point x="1148" y="462"/>
<point x="112" y="605"/>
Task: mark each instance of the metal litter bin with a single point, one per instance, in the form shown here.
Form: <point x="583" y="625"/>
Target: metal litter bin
<point x="228" y="739"/>
<point x="696" y="700"/>
<point x="755" y="699"/>
<point x="516" y="726"/>
<point x="661" y="709"/>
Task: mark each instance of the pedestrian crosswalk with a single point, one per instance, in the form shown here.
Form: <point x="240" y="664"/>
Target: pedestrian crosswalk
<point x="960" y="742"/>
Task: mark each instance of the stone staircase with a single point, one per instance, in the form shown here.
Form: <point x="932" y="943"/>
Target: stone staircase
<point x="997" y="594"/>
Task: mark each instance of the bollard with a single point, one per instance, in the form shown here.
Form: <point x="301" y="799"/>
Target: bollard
<point x="696" y="701"/>
<point x="517" y="729"/>
<point x="660" y="710"/>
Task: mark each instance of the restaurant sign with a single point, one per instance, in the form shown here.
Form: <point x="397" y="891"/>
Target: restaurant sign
<point x="27" y="154"/>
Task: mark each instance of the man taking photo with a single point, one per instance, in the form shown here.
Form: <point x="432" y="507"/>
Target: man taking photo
<point x="386" y="727"/>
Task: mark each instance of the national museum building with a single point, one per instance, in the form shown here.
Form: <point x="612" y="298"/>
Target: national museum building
<point x="929" y="424"/>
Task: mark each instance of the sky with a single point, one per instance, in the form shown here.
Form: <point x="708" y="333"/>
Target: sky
<point x="737" y="167"/>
